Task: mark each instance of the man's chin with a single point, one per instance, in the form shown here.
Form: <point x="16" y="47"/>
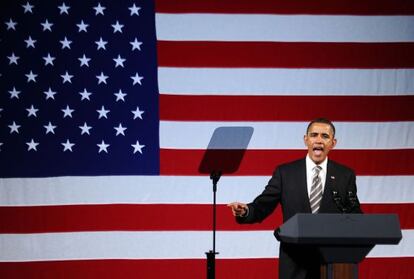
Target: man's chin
<point x="317" y="159"/>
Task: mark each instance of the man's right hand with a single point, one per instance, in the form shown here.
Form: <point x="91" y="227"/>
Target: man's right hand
<point x="239" y="209"/>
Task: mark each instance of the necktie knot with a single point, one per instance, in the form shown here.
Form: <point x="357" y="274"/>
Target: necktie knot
<point x="317" y="170"/>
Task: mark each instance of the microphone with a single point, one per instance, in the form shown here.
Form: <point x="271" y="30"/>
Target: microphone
<point x="353" y="201"/>
<point x="336" y="197"/>
<point x="338" y="201"/>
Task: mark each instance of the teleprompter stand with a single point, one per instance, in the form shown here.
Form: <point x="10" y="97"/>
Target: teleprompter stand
<point x="223" y="156"/>
<point x="342" y="240"/>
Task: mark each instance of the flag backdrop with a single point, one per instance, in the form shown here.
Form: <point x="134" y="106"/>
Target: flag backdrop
<point x="107" y="107"/>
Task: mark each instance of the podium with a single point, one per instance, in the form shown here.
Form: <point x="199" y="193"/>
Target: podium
<point x="342" y="240"/>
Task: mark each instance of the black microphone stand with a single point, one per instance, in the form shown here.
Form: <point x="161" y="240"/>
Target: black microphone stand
<point x="338" y="202"/>
<point x="345" y="207"/>
<point x="211" y="255"/>
<point x="353" y="201"/>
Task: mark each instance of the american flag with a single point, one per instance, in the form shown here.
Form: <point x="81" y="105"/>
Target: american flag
<point x="79" y="90"/>
<point x="107" y="108"/>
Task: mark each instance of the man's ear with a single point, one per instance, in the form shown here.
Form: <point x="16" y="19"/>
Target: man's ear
<point x="305" y="138"/>
<point x="334" y="141"/>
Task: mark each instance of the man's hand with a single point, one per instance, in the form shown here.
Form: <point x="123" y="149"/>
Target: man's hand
<point x="238" y="209"/>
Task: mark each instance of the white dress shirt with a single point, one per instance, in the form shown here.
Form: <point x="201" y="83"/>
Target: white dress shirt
<point x="309" y="172"/>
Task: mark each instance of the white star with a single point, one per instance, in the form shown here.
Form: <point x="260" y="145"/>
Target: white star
<point x="137" y="79"/>
<point x="67" y="111"/>
<point x="85" y="129"/>
<point x="65" y="43"/>
<point x="64" y="9"/>
<point x="102" y="78"/>
<point x="99" y="9"/>
<point x="32" y="111"/>
<point x="66" y="77"/>
<point x="137" y="147"/>
<point x="82" y="26"/>
<point x="101" y="43"/>
<point x="50" y="94"/>
<point x="120" y="130"/>
<point x="120" y="95"/>
<point x="103" y="112"/>
<point x="1" y="145"/>
<point x="14" y="128"/>
<point x="13" y="59"/>
<point x="103" y="147"/>
<point x="48" y="59"/>
<point x="32" y="145"/>
<point x="31" y="77"/>
<point x="50" y="128"/>
<point x="47" y="25"/>
<point x="67" y="145"/>
<point x="84" y="61"/>
<point x="85" y="94"/>
<point x="136" y="44"/>
<point x="119" y="61"/>
<point x="137" y="113"/>
<point x="134" y="10"/>
<point x="14" y="93"/>
<point x="117" y="27"/>
<point x="28" y="8"/>
<point x="30" y="42"/>
<point x="11" y="24"/>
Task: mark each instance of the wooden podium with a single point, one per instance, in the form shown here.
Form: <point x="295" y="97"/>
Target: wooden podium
<point x="342" y="240"/>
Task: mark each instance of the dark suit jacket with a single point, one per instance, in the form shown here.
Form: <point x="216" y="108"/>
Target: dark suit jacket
<point x="288" y="187"/>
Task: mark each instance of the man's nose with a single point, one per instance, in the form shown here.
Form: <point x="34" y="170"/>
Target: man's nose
<point x="319" y="138"/>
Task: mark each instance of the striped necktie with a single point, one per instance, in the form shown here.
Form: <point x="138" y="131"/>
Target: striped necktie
<point x="316" y="190"/>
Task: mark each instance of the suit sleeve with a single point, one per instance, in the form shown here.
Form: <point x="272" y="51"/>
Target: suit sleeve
<point x="264" y="204"/>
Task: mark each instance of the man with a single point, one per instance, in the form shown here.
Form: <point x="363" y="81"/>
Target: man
<point x="304" y="186"/>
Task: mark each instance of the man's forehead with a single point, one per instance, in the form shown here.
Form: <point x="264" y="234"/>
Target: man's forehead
<point x="320" y="128"/>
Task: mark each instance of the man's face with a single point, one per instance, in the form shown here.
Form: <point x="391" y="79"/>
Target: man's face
<point x="319" y="140"/>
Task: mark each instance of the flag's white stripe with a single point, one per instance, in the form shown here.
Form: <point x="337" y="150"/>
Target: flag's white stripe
<point x="286" y="28"/>
<point x="404" y="249"/>
<point x="259" y="81"/>
<point x="289" y="135"/>
<point x="173" y="190"/>
<point x="157" y="245"/>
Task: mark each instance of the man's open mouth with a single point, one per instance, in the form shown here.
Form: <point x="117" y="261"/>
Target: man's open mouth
<point x="318" y="150"/>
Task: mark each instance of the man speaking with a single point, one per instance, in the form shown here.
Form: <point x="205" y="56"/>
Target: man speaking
<point x="307" y="185"/>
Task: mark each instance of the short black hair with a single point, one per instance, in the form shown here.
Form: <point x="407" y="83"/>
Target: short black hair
<point x="321" y="120"/>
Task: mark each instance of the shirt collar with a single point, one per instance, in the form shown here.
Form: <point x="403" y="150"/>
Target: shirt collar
<point x="311" y="164"/>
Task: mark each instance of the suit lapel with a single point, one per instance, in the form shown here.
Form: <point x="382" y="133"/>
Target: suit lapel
<point x="330" y="180"/>
<point x="304" y="186"/>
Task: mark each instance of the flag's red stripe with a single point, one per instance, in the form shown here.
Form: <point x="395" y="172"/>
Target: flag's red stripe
<point x="142" y="269"/>
<point x="280" y="108"/>
<point x="263" y="162"/>
<point x="405" y="212"/>
<point x="370" y="268"/>
<point x="285" y="54"/>
<point x="350" y="7"/>
<point x="152" y="217"/>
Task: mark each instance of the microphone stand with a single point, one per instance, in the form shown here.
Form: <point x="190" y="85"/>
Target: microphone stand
<point x="343" y="207"/>
<point x="352" y="200"/>
<point x="211" y="255"/>
<point x="338" y="202"/>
